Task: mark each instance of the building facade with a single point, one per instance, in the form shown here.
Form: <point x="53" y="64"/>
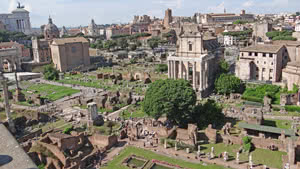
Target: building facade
<point x="41" y="47"/>
<point x="260" y="30"/>
<point x="261" y="62"/>
<point x="194" y="60"/>
<point x="225" y="18"/>
<point x="18" y="20"/>
<point x="70" y="53"/>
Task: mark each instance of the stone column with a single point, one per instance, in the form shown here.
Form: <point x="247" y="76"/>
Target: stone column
<point x="180" y="70"/>
<point x="7" y="106"/>
<point x="194" y="75"/>
<point x="169" y="69"/>
<point x="165" y="144"/>
<point x="187" y="71"/>
<point x="175" y="70"/>
<point x="176" y="146"/>
<point x="201" y="77"/>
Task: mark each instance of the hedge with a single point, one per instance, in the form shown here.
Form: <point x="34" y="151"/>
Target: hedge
<point x="292" y="108"/>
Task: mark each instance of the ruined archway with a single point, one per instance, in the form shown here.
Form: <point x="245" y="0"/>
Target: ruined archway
<point x="253" y="71"/>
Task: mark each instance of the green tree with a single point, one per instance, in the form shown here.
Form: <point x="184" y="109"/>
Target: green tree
<point x="68" y="130"/>
<point x="173" y="98"/>
<point x="208" y="113"/>
<point x="93" y="45"/>
<point x="247" y="145"/>
<point x="50" y="73"/>
<point x="227" y="84"/>
<point x="122" y="43"/>
<point x="161" y="68"/>
<point x="109" y="44"/>
<point x="224" y="66"/>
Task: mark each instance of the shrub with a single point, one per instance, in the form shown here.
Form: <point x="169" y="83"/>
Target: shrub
<point x="68" y="130"/>
<point x="161" y="68"/>
<point x="247" y="145"/>
<point x="258" y="93"/>
<point x="41" y="166"/>
<point x="292" y="108"/>
<point x="50" y="73"/>
<point x="227" y="84"/>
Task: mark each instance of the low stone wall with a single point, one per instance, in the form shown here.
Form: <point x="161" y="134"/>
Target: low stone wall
<point x="30" y="136"/>
<point x="257" y="142"/>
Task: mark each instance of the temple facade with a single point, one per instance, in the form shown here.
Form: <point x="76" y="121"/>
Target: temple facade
<point x="195" y="59"/>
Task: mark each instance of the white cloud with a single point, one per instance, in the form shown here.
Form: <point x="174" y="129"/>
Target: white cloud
<point x="248" y="4"/>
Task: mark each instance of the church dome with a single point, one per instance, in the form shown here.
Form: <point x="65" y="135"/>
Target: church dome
<point x="51" y="31"/>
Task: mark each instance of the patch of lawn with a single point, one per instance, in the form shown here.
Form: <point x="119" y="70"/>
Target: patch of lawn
<point x="51" y="92"/>
<point x="258" y="155"/>
<point x="135" y="114"/>
<point x="105" y="130"/>
<point x="283" y="124"/>
<point x="60" y="124"/>
<point x="116" y="163"/>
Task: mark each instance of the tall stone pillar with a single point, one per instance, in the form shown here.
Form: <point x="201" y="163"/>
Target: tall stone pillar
<point x="201" y="77"/>
<point x="11" y="124"/>
<point x="181" y="69"/>
<point x="194" y="75"/>
<point x="169" y="69"/>
<point x="187" y="71"/>
<point x="175" y="69"/>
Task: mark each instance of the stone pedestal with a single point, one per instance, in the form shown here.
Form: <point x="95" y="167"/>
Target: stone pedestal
<point x="188" y="150"/>
<point x="165" y="144"/>
<point x="176" y="146"/>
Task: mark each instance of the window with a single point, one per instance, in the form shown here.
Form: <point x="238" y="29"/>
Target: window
<point x="272" y="63"/>
<point x="264" y="55"/>
<point x="242" y="54"/>
<point x="263" y="69"/>
<point x="257" y="69"/>
<point x="250" y="53"/>
<point x="257" y="62"/>
<point x="190" y="47"/>
<point x="271" y="70"/>
<point x="270" y="78"/>
<point x="255" y="54"/>
<point x="271" y="55"/>
<point x="264" y="62"/>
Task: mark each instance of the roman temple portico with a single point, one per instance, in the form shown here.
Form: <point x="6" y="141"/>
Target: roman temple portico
<point x="195" y="59"/>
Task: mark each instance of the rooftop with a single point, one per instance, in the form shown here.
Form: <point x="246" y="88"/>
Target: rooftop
<point x="262" y="48"/>
<point x="69" y="40"/>
<point x="267" y="129"/>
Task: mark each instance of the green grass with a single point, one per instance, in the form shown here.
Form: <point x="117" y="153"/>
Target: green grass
<point x="283" y="124"/>
<point x="259" y="156"/>
<point x="60" y="124"/>
<point x="116" y="163"/>
<point x="106" y="130"/>
<point x="135" y="114"/>
<point x="51" y="92"/>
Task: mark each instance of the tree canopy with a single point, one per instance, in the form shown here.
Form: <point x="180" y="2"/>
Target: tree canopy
<point x="207" y="113"/>
<point x="50" y="73"/>
<point x="281" y="35"/>
<point x="173" y="98"/>
<point x="161" y="68"/>
<point x="227" y="84"/>
<point x="6" y="36"/>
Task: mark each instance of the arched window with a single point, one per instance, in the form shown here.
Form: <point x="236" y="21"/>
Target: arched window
<point x="190" y="46"/>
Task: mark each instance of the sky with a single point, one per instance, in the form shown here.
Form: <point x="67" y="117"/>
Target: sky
<point x="80" y="12"/>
